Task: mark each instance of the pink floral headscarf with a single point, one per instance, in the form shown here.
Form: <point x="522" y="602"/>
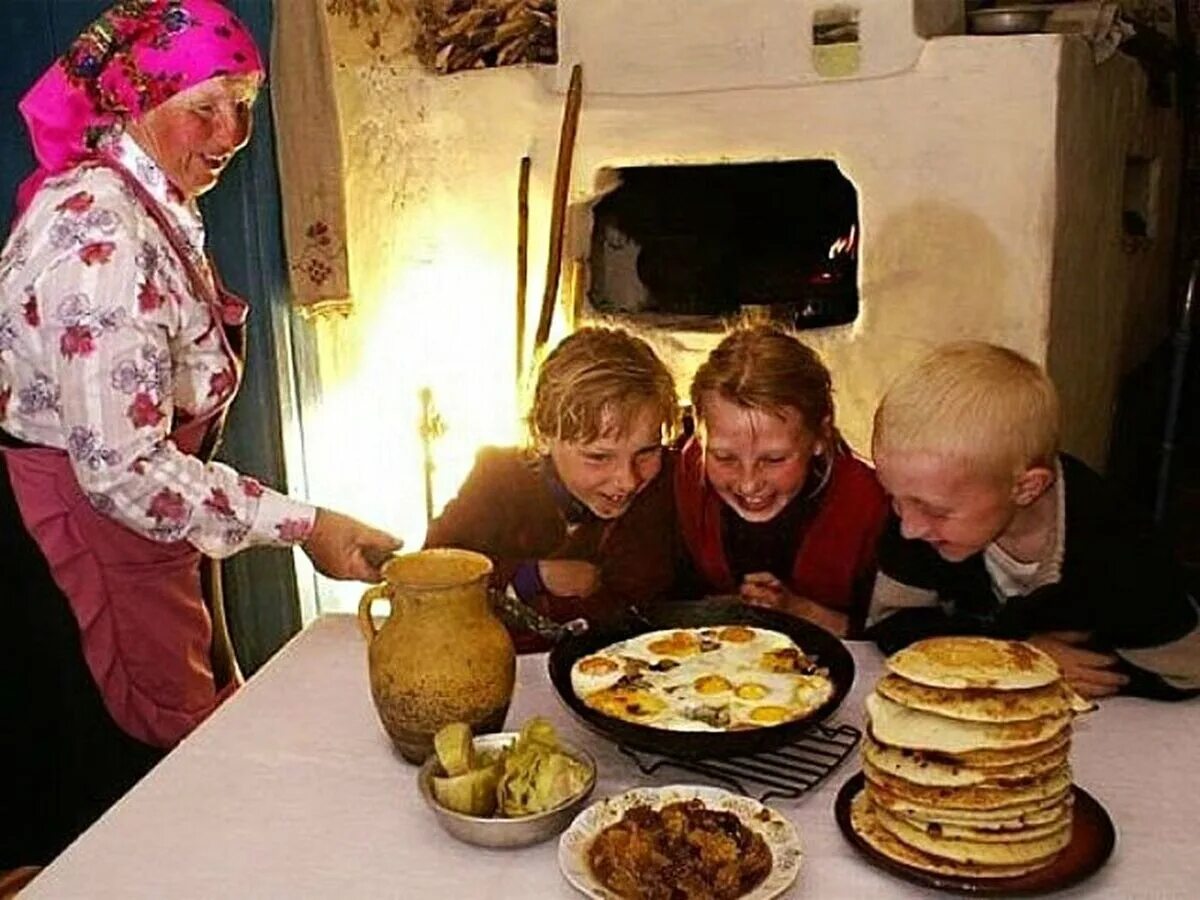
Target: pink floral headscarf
<point x="135" y="56"/>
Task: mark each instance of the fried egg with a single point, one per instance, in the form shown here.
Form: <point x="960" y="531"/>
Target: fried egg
<point x="678" y="643"/>
<point x="628" y="703"/>
<point x="713" y="679"/>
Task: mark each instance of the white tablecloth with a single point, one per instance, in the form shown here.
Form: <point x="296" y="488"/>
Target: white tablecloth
<point x="293" y="790"/>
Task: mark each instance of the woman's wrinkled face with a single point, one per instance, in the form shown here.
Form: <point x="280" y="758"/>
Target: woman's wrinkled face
<point x="607" y="473"/>
<point x="956" y="510"/>
<point x="755" y="460"/>
<point x="194" y="135"/>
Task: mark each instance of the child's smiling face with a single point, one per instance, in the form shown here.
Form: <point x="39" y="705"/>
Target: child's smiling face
<point x="943" y="502"/>
<point x="607" y="473"/>
<point x="755" y="460"/>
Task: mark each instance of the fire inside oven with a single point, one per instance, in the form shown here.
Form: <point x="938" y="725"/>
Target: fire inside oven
<point x="712" y="240"/>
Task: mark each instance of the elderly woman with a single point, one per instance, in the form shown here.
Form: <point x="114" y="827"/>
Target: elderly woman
<point x="119" y="355"/>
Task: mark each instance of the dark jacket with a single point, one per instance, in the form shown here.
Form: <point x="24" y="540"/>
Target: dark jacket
<point x="1118" y="582"/>
<point x="507" y="510"/>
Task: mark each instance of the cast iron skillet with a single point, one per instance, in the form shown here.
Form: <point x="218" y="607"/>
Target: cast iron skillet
<point x="815" y="641"/>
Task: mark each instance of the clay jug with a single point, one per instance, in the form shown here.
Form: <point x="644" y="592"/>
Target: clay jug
<point x="441" y="656"/>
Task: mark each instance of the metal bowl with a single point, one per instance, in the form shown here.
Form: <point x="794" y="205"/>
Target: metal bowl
<point x="1007" y="20"/>
<point x="499" y="832"/>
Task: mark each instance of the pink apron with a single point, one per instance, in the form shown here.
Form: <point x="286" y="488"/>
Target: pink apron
<point x="145" y="630"/>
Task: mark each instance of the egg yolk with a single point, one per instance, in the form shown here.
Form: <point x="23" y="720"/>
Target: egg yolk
<point x="769" y="715"/>
<point x="711" y="684"/>
<point x="597" y="665"/>
<point x="642" y="704"/>
<point x="623" y="703"/>
<point x="736" y="634"/>
<point x="788" y="659"/>
<point x="681" y="643"/>
<point x="751" y="691"/>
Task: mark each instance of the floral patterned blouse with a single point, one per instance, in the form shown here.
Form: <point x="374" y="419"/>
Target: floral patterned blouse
<point x="103" y="347"/>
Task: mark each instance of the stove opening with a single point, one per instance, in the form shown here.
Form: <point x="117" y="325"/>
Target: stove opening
<point x="697" y="242"/>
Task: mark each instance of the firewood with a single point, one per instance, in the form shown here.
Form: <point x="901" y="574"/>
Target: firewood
<point x="472" y="34"/>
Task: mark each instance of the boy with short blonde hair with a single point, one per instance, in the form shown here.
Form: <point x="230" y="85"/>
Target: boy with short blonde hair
<point x="996" y="532"/>
<point x="973" y="401"/>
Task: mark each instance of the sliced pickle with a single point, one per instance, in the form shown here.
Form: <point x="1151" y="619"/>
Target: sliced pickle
<point x="452" y="744"/>
<point x="472" y="793"/>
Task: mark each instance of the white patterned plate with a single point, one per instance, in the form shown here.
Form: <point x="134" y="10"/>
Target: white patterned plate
<point x="778" y="832"/>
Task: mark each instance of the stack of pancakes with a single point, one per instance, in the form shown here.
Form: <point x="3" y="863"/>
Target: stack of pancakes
<point x="965" y="758"/>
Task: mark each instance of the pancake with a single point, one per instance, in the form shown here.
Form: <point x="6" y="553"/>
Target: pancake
<point x="990" y="834"/>
<point x="1021" y="815"/>
<point x="865" y="823"/>
<point x="935" y="771"/>
<point x="1013" y="853"/>
<point x="966" y="758"/>
<point x="986" y="759"/>
<point x="975" y="662"/>
<point x="979" y="704"/>
<point x="900" y="726"/>
<point x="972" y="797"/>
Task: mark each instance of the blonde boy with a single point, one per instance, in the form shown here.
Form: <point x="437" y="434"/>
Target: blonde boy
<point x="996" y="532"/>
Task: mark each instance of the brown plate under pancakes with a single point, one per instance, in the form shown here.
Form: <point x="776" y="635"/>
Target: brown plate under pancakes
<point x="1092" y="842"/>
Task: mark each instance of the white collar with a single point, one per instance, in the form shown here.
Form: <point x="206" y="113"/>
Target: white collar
<point x="130" y="155"/>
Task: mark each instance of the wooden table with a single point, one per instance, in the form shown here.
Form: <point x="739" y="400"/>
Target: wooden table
<point x="293" y="790"/>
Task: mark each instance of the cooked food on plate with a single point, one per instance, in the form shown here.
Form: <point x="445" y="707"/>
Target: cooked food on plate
<point x="703" y="679"/>
<point x="683" y="851"/>
<point x="966" y="759"/>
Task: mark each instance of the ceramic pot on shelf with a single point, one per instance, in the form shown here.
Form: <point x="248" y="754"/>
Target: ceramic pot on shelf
<point x="441" y="656"/>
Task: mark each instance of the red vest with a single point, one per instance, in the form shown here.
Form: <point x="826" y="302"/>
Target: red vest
<point x="837" y="538"/>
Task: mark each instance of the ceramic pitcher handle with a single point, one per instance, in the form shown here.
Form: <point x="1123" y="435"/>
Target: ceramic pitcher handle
<point x="365" y="623"/>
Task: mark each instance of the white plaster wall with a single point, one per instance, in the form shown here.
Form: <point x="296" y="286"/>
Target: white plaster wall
<point x="432" y="165"/>
<point x="954" y="165"/>
<point x="675" y="46"/>
<point x="955" y="160"/>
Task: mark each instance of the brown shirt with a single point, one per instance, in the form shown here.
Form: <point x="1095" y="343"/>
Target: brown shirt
<point x="507" y="511"/>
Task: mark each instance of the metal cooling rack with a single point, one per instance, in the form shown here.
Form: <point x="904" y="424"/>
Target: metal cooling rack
<point x="787" y="773"/>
